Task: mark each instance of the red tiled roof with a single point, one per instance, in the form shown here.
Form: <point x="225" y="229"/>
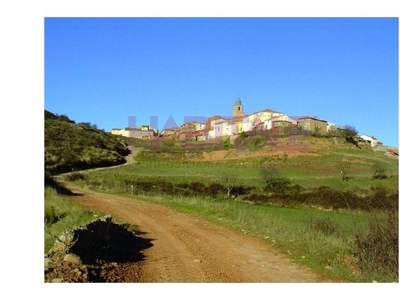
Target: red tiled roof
<point x="216" y="117"/>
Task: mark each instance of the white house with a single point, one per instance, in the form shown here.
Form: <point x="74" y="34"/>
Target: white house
<point x="231" y="128"/>
<point x="331" y="127"/>
<point x="210" y="126"/>
<point x="271" y="123"/>
<point x="259" y="117"/>
<point x="117" y="131"/>
<point x="370" y="139"/>
<point x="219" y="127"/>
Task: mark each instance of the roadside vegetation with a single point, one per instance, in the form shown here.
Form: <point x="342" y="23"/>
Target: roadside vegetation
<point x="61" y="212"/>
<point x="334" y="209"/>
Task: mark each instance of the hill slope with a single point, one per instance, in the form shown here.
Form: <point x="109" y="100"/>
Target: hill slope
<point x="70" y="146"/>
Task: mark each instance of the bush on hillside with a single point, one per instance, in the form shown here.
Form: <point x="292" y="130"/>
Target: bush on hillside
<point x="258" y="197"/>
<point x="331" y="198"/>
<point x="382" y="199"/>
<point x="377" y="247"/>
<point x="378" y="199"/>
<point x="255" y="143"/>
<point x="272" y="180"/>
<point x="226" y="143"/>
<point x="166" y="187"/>
<point x="196" y="187"/>
<point x="214" y="189"/>
<point x="348" y="131"/>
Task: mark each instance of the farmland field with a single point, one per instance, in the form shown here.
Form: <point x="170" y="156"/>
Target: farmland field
<point x="309" y="170"/>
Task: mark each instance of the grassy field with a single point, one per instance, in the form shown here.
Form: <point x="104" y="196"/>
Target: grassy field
<point x="354" y="245"/>
<point x="307" y="171"/>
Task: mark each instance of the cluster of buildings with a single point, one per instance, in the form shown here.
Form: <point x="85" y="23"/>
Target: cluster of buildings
<point x="218" y="126"/>
<point x="143" y="132"/>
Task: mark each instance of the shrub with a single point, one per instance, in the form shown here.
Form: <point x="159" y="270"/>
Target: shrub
<point x="213" y="189"/>
<point x="239" y="190"/>
<point x="272" y="179"/>
<point x="257" y="198"/>
<point x="295" y="189"/>
<point x="381" y="199"/>
<point x="327" y="197"/>
<point x="183" y="185"/>
<point x="377" y="248"/>
<point x="145" y="186"/>
<point x="226" y="143"/>
<point x="348" y="131"/>
<point x="294" y="195"/>
<point x="196" y="187"/>
<point x="166" y="187"/>
<point x="256" y="142"/>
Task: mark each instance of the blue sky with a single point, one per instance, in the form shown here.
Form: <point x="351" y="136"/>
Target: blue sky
<point x="106" y="70"/>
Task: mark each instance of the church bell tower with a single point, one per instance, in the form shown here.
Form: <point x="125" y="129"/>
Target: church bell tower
<point x="238" y="108"/>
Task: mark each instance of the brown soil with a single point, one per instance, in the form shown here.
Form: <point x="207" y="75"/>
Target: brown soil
<point x="283" y="150"/>
<point x="183" y="248"/>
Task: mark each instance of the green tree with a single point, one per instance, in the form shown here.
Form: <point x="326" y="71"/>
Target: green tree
<point x="272" y="179"/>
<point x="344" y="167"/>
<point x="229" y="180"/>
<point x="349" y="131"/>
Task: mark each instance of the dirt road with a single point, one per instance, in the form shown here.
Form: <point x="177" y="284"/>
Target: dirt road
<point x="188" y="249"/>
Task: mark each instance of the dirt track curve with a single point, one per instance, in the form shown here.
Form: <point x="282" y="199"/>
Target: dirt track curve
<point x="188" y="249"/>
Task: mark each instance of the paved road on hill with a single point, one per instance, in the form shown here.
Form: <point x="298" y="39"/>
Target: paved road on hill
<point x="188" y="249"/>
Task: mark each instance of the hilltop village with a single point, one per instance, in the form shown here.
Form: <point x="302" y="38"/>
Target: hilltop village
<point x="264" y="120"/>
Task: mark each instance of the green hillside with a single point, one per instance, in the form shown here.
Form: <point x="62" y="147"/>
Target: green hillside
<point x="70" y="146"/>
